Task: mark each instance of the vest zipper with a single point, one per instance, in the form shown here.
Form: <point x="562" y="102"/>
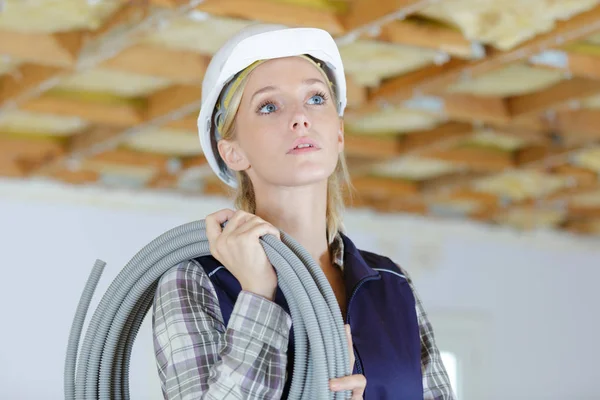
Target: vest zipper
<point x="359" y="367"/>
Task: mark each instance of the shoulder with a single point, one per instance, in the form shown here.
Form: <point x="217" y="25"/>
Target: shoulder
<point x="382" y="263"/>
<point x="188" y="270"/>
<point x="188" y="277"/>
<point x="186" y="287"/>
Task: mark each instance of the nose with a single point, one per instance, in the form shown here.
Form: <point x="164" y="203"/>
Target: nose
<point x="300" y="122"/>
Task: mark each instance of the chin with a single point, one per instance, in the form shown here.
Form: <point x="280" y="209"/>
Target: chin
<point x="304" y="176"/>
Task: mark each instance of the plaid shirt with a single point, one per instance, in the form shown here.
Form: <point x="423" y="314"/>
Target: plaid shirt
<point x="199" y="357"/>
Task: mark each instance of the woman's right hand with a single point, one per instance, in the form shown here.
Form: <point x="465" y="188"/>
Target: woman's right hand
<point x="237" y="247"/>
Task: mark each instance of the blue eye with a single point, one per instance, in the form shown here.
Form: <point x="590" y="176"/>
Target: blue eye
<point x="317" y="99"/>
<point x="267" y="108"/>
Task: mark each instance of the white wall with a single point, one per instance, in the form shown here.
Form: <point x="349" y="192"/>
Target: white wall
<point x="520" y="310"/>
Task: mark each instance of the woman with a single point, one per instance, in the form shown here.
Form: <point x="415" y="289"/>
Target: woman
<point x="271" y="127"/>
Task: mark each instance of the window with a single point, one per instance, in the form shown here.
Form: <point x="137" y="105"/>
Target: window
<point x="451" y="364"/>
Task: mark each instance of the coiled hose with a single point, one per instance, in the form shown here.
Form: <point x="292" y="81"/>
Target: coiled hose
<point x="321" y="350"/>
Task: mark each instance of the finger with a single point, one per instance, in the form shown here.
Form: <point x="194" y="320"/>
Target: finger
<point x="214" y="221"/>
<point x="357" y="394"/>
<point x="238" y="219"/>
<point x="256" y="225"/>
<point x="356" y="383"/>
<point x="258" y="228"/>
<point x="350" y="346"/>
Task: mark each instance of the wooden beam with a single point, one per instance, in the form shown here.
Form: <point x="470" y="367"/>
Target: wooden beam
<point x="379" y="187"/>
<point x="577" y="126"/>
<point x="162" y="180"/>
<point x="215" y="187"/>
<point x="11" y="168"/>
<point x="78" y="177"/>
<point x="363" y="13"/>
<point x="28" y="77"/>
<point x="372" y="146"/>
<point x="582" y="226"/>
<point x="186" y="123"/>
<point x="117" y="113"/>
<point x="470" y="108"/>
<point x="397" y="204"/>
<point x="578" y="64"/>
<point x="435" y="185"/>
<point x="576" y="28"/>
<point x="533" y="153"/>
<point x="459" y="107"/>
<point x="172" y="99"/>
<point x="131" y="158"/>
<point x="441" y="134"/>
<point x="486" y="200"/>
<point x="177" y="65"/>
<point x="429" y="36"/>
<point x="397" y="89"/>
<point x="28" y="153"/>
<point x="477" y="159"/>
<point x="193" y="162"/>
<point x="552" y="97"/>
<point x="56" y="50"/>
<point x="77" y="143"/>
<point x="355" y="93"/>
<point x="90" y="137"/>
<point x="163" y="107"/>
<point x="269" y="11"/>
<point x="131" y="13"/>
<point x="582" y="178"/>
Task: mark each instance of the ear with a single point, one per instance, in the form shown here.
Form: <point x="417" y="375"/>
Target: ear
<point x="341" y="136"/>
<point x="232" y="155"/>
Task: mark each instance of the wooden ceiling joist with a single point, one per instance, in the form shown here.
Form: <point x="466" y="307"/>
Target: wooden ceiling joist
<point x="430" y="36"/>
<point x="380" y="187"/>
<point x="367" y="146"/>
<point x="81" y="142"/>
<point x="120" y="114"/>
<point x="176" y="65"/>
<point x="576" y="63"/>
<point x="56" y="50"/>
<point x="364" y="13"/>
<point x="474" y="158"/>
<point x="482" y="153"/>
<point x="440" y="136"/>
<point x="25" y="154"/>
<point x="578" y="125"/>
<point x="465" y="107"/>
<point x="562" y="93"/>
<point x="26" y="79"/>
<point x="129" y="158"/>
<point x="271" y="12"/>
<point x="173" y="99"/>
<point x="568" y="31"/>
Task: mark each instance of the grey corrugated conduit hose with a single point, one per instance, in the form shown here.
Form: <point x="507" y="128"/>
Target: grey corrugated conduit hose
<point x="102" y="369"/>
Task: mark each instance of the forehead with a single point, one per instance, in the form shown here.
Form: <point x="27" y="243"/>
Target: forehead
<point x="283" y="70"/>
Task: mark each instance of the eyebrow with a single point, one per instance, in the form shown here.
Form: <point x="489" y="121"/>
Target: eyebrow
<point x="306" y="82"/>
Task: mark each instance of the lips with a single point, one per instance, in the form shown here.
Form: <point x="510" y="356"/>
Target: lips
<point x="303" y="145"/>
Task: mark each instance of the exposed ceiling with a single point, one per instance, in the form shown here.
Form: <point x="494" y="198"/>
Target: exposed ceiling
<point x="480" y="109"/>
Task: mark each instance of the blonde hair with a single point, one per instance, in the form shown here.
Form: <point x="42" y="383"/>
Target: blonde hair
<point x="244" y="193"/>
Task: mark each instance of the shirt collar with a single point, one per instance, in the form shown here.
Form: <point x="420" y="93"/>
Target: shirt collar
<point x="337" y="251"/>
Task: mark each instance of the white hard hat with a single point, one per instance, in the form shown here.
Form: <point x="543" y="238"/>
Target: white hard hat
<point x="252" y="44"/>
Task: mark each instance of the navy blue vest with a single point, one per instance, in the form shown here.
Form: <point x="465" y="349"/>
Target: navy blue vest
<point x="381" y="313"/>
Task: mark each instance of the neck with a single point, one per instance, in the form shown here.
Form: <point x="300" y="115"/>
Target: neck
<point x="301" y="213"/>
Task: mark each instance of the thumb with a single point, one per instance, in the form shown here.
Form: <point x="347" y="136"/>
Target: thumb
<point x="350" y="346"/>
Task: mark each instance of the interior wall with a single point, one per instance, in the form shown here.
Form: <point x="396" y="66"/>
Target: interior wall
<point x="519" y="310"/>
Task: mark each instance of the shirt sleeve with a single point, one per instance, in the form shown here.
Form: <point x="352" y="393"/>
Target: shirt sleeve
<point x="436" y="384"/>
<point x="199" y="358"/>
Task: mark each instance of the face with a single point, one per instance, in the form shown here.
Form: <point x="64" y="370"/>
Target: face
<point x="288" y="132"/>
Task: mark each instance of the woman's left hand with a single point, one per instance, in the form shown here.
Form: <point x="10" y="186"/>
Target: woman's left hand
<point x="355" y="383"/>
